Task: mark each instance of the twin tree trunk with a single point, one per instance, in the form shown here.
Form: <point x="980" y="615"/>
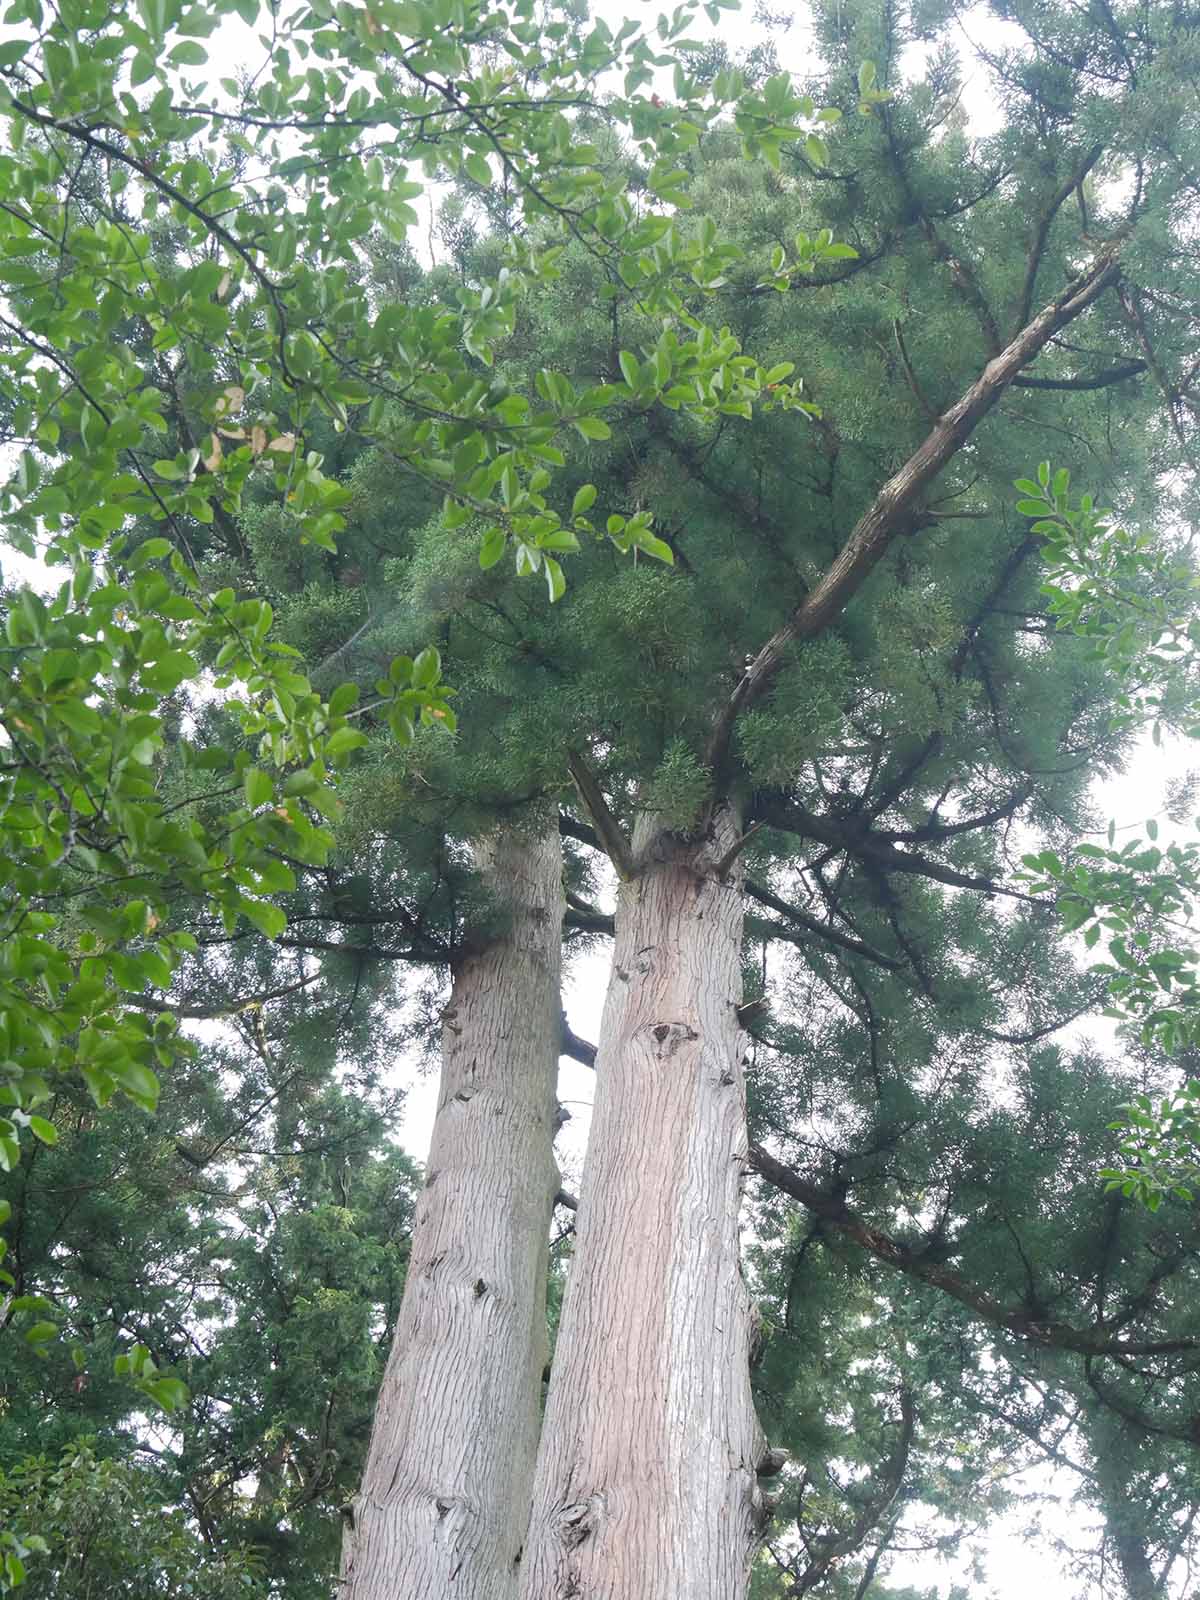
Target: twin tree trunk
<point x="445" y="1494"/>
<point x="646" y="1485"/>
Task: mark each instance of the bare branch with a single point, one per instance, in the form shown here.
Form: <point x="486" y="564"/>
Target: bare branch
<point x="1095" y="380"/>
<point x="581" y="1050"/>
<point x="1045" y="222"/>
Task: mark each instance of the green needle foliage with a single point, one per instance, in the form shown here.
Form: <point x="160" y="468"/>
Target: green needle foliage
<point x="251" y="1233"/>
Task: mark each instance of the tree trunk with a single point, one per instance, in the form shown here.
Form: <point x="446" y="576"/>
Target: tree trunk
<point x="1141" y="1581"/>
<point x="1115" y="1453"/>
<point x="646" y="1484"/>
<point x="445" y="1493"/>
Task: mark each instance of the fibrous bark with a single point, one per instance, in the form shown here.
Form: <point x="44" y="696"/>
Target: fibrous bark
<point x="445" y="1493"/>
<point x="646" y="1485"/>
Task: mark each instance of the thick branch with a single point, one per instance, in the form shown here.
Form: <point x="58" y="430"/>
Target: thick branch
<point x="571" y="828"/>
<point x="875" y="849"/>
<point x="894" y="507"/>
<point x="576" y="1048"/>
<point x="1095" y="380"/>
<point x="583" y="918"/>
<point x="1018" y="1322"/>
<point x="608" y="830"/>
<point x="806" y="925"/>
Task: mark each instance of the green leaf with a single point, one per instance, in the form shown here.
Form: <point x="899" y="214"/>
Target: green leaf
<point x="269" y="919"/>
<point x="344" y="698"/>
<point x="343" y="740"/>
<point x="593" y="428"/>
<point x="43" y="1130"/>
<point x="559" y="539"/>
<point x="427" y="669"/>
<point x="585" y="499"/>
<point x="657" y="548"/>
<point x="137" y="1081"/>
<point x="555" y="582"/>
<point x="257" y="786"/>
<point x="171" y="1394"/>
<point x="492" y="547"/>
<point x="301" y="783"/>
<point x="478" y="170"/>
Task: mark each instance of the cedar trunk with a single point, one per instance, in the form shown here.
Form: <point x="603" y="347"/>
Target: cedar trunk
<point x="445" y="1494"/>
<point x="646" y="1485"/>
<point x="1116" y="1461"/>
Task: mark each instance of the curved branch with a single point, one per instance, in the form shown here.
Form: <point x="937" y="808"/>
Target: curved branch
<point x="930" y="832"/>
<point x="581" y="1050"/>
<point x="225" y="1008"/>
<point x="876" y="850"/>
<point x="1096" y="380"/>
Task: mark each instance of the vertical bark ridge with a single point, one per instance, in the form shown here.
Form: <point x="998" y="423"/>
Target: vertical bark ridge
<point x="445" y="1493"/>
<point x="646" y="1485"/>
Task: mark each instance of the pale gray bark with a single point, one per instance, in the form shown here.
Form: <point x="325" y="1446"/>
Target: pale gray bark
<point x="646" y="1485"/>
<point x="445" y="1493"/>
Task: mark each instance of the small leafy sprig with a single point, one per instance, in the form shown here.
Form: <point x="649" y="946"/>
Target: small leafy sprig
<point x="1160" y="1147"/>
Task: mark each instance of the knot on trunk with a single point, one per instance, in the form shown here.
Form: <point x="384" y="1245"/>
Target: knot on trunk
<point x="577" y="1522"/>
<point x="772" y="1462"/>
<point x="452" y="1514"/>
<point x="668" y="1036"/>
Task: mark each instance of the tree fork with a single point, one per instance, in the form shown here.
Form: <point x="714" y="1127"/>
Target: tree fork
<point x="445" y="1492"/>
